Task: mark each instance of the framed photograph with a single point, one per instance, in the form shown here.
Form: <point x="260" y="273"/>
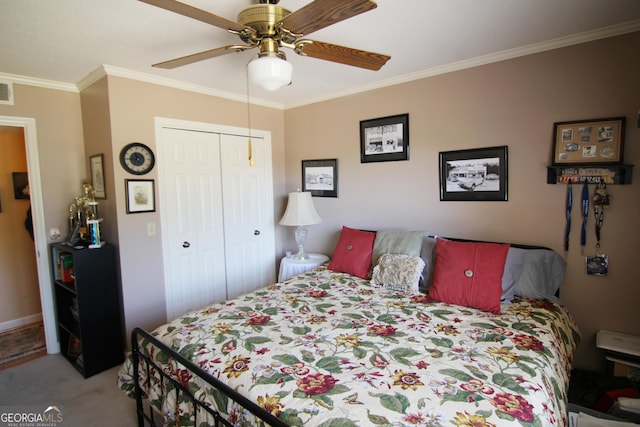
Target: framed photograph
<point x="97" y="176"/>
<point x="20" y="185"/>
<point x="384" y="139"/>
<point x="474" y="175"/>
<point x="140" y="195"/>
<point x="596" y="141"/>
<point x="320" y="177"/>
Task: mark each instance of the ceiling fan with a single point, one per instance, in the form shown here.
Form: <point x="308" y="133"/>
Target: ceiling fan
<point x="270" y="27"/>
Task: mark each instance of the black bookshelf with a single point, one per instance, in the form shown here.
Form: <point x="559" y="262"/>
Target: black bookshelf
<point x="87" y="307"/>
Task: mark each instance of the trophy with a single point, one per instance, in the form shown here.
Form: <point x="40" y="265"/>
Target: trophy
<point x="84" y="222"/>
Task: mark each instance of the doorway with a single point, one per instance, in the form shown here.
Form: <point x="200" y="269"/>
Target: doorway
<point x="28" y="126"/>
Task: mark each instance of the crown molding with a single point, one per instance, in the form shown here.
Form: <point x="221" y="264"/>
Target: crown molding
<point x="110" y="70"/>
<point x="34" y="81"/>
<point x="557" y="43"/>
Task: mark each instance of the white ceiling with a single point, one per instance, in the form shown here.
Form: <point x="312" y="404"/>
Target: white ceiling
<point x="68" y="40"/>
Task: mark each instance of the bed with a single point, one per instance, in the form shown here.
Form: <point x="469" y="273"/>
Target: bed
<point x="375" y="344"/>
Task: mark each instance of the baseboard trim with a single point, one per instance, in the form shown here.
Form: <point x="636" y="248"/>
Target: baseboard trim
<point x="15" y="323"/>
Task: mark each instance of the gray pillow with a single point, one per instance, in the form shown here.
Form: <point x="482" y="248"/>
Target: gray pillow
<point x="428" y="255"/>
<point x="512" y="269"/>
<point x="397" y="242"/>
<point x="541" y="276"/>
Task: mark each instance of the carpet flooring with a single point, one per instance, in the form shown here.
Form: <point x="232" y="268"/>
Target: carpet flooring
<point x="22" y="342"/>
<point x="52" y="381"/>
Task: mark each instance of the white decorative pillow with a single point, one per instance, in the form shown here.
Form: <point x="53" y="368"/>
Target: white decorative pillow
<point x="399" y="272"/>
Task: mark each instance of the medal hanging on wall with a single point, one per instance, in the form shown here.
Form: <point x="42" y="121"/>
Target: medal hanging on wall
<point x="598" y="265"/>
<point x="585" y="216"/>
<point x="567" y="228"/>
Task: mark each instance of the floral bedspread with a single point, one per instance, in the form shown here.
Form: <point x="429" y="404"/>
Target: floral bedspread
<point x="328" y="349"/>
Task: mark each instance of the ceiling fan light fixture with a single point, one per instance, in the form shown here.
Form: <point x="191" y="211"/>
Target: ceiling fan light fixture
<point x="270" y="72"/>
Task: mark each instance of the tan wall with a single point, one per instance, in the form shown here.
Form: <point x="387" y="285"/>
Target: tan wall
<point x="60" y="145"/>
<point x="97" y="140"/>
<point x="19" y="293"/>
<point x="513" y="103"/>
<point x="61" y="153"/>
<point x="133" y="105"/>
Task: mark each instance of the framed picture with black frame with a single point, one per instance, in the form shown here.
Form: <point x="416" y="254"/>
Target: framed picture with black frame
<point x="20" y="185"/>
<point x="320" y="177"/>
<point x="384" y="139"/>
<point x="140" y="195"/>
<point x="479" y="174"/>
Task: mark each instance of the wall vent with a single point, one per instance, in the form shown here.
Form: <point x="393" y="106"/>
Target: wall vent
<point x="6" y="93"/>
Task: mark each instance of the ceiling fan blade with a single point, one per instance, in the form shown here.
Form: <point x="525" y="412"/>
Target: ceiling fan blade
<point x="343" y="55"/>
<point x="322" y="13"/>
<point x="199" y="14"/>
<point x="201" y="56"/>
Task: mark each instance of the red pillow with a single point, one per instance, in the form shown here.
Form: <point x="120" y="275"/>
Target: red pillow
<point x="353" y="252"/>
<point x="469" y="274"/>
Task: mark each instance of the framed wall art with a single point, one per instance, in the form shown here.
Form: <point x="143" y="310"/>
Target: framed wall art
<point x="320" y="177"/>
<point x="474" y="175"/>
<point x="384" y="139"/>
<point x="97" y="176"/>
<point x="20" y="185"/>
<point x="596" y="141"/>
<point x="140" y="195"/>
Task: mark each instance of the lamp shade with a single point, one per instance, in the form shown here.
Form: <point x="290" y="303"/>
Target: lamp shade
<point x="270" y="72"/>
<point x="300" y="210"/>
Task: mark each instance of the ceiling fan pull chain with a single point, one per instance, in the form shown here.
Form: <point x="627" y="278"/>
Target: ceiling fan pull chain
<point x="249" y="116"/>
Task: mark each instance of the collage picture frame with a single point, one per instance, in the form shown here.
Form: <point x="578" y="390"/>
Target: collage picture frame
<point x="589" y="142"/>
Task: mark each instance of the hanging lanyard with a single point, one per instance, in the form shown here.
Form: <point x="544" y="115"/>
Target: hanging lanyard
<point x="599" y="215"/>
<point x="567" y="229"/>
<point x="600" y="201"/>
<point x="585" y="215"/>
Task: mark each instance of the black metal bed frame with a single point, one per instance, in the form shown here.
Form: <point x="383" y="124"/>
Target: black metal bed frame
<point x="149" y="418"/>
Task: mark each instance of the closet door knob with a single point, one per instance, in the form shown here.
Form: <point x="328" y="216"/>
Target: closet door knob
<point x="256" y="232"/>
<point x="186" y="244"/>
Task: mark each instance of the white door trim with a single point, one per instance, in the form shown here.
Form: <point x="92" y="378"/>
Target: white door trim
<point x="39" y="230"/>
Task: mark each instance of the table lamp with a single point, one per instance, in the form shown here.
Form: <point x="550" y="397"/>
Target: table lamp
<point x="300" y="212"/>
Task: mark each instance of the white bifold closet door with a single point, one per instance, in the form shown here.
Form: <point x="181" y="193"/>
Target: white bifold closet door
<point x="217" y="216"/>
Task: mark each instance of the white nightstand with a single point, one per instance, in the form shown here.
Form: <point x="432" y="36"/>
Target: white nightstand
<point x="289" y="267"/>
